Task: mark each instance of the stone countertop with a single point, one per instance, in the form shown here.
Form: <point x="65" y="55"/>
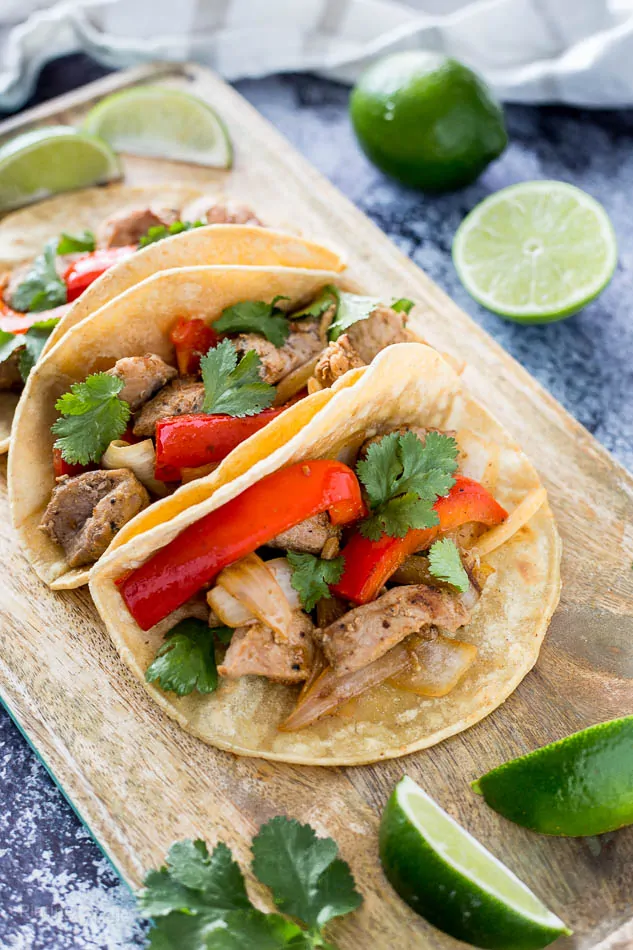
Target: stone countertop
<point x="57" y="891"/>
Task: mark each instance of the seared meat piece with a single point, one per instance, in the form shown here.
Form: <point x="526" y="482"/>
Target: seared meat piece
<point x="130" y="224"/>
<point x="178" y="398"/>
<point x="381" y="328"/>
<point x="143" y="376"/>
<point x="86" y="511"/>
<point x="309" y="536"/>
<point x="221" y="212"/>
<point x="367" y="632"/>
<point x="253" y="651"/>
<point x="336" y="360"/>
<point x="302" y="345"/>
<point x="10" y="376"/>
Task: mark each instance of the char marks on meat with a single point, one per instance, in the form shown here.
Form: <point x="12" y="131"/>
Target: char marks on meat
<point x="336" y="360"/>
<point x="130" y="224"/>
<point x="253" y="651"/>
<point x="302" y="345"/>
<point x="86" y="511"/>
<point x="367" y="632"/>
<point x="309" y="536"/>
<point x="382" y="327"/>
<point x="180" y="397"/>
<point x="142" y="376"/>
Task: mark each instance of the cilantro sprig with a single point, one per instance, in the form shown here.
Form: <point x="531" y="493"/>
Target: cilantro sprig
<point x="403" y="478"/>
<point x="232" y="388"/>
<point x="42" y="288"/>
<point x="29" y="345"/>
<point x="199" y="899"/>
<point x="255" y="316"/>
<point x="326" y="297"/>
<point x="92" y="416"/>
<point x="403" y="305"/>
<point x="75" y="243"/>
<point x="446" y="564"/>
<point x="186" y="660"/>
<point x="311" y="576"/>
<point x="160" y="231"/>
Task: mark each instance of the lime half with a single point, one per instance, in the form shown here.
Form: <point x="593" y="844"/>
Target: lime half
<point x="536" y="252"/>
<point x="449" y="878"/>
<point x="580" y="785"/>
<point x="162" y="123"/>
<point x="46" y="161"/>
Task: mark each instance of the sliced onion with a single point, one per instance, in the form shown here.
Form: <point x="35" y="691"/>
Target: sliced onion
<point x="139" y="458"/>
<point x="501" y="533"/>
<point x="282" y="572"/>
<point x="257" y="589"/>
<point x="442" y="663"/>
<point x="294" y="382"/>
<point x="228" y="609"/>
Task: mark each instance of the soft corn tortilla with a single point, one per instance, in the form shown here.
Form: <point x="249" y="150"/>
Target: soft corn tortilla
<point x="24" y="234"/>
<point x="407" y="383"/>
<point x="136" y="322"/>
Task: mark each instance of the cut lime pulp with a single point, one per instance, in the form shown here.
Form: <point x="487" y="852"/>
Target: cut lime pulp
<point x="452" y="881"/>
<point x="536" y="252"/>
<point x="162" y="123"/>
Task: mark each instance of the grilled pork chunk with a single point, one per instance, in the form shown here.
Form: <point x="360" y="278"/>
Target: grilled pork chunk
<point x="302" y="345"/>
<point x="336" y="360"/>
<point x="253" y="651"/>
<point x="367" y="632"/>
<point x="10" y="375"/>
<point x="128" y="225"/>
<point x="142" y="376"/>
<point x="381" y="328"/>
<point x="309" y="536"/>
<point x="86" y="511"/>
<point x="180" y="397"/>
<point x="216" y="212"/>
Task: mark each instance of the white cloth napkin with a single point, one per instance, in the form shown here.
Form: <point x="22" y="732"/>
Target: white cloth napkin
<point x="573" y="51"/>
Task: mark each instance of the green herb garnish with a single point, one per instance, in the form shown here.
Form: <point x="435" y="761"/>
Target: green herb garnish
<point x="446" y="564"/>
<point x="186" y="660"/>
<point x="160" y="231"/>
<point x="351" y="309"/>
<point x="403" y="305"/>
<point x="255" y="316"/>
<point x="92" y="417"/>
<point x="311" y="576"/>
<point x="232" y="388"/>
<point x="42" y="288"/>
<point x="75" y="243"/>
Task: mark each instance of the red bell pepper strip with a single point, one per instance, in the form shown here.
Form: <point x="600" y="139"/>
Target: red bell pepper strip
<point x="272" y="505"/>
<point x="192" y="441"/>
<point x="370" y="564"/>
<point x="85" y="270"/>
<point x="192" y="339"/>
<point x="62" y="467"/>
<point x="13" y="321"/>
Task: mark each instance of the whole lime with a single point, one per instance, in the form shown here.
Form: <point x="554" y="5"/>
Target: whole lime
<point x="427" y="120"/>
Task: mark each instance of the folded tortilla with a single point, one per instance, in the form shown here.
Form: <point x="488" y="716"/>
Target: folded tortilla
<point x="407" y="383"/>
<point x="24" y="234"/>
<point x="134" y="323"/>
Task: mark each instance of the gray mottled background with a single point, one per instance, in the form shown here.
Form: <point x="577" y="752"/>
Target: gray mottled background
<point x="56" y="889"/>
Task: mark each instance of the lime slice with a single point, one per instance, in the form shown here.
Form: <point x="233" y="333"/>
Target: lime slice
<point x="449" y="878"/>
<point x="580" y="785"/>
<point x="162" y="123"/>
<point x="536" y="252"/>
<point x="46" y="161"/>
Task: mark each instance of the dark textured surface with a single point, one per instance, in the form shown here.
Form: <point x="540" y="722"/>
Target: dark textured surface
<point x="56" y="889"/>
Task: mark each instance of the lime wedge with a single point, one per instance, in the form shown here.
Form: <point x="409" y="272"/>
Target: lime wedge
<point x="452" y="881"/>
<point x="46" y="161"/>
<point x="580" y="785"/>
<point x="536" y="252"/>
<point x="162" y="123"/>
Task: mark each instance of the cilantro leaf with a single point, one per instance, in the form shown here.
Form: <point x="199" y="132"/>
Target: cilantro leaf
<point x="223" y="634"/>
<point x="311" y="576"/>
<point x="257" y="930"/>
<point x="42" y="288"/>
<point x="446" y="564"/>
<point x="186" y="660"/>
<point x="160" y="231"/>
<point x="308" y="880"/>
<point x="403" y="478"/>
<point x="351" y="309"/>
<point x="232" y="388"/>
<point x="322" y="302"/>
<point x="75" y="243"/>
<point x="255" y="316"/>
<point x="92" y="417"/>
<point x="34" y="341"/>
<point x="403" y="305"/>
<point x="181" y="929"/>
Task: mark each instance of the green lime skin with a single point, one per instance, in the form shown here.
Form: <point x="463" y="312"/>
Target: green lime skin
<point x="427" y="120"/>
<point x="581" y="785"/>
<point x="422" y="880"/>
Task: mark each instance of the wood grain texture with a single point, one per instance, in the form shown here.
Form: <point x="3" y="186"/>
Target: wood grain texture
<point x="139" y="782"/>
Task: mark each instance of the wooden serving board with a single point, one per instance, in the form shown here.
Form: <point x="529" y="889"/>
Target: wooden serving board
<point x="139" y="782"/>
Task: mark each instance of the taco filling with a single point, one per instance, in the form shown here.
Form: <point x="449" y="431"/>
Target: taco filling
<point x="36" y="295"/>
<point x="134" y="433"/>
<point x="335" y="577"/>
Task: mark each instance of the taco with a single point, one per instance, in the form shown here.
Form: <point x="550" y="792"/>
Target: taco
<point x="381" y="581"/>
<point x="65" y="258"/>
<point x="155" y="389"/>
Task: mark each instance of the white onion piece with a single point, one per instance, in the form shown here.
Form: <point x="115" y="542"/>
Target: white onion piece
<point x="228" y="608"/>
<point x="294" y="382"/>
<point x="257" y="589"/>
<point x="443" y="662"/>
<point x="139" y="458"/>
<point x="501" y="533"/>
<point x="282" y="572"/>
